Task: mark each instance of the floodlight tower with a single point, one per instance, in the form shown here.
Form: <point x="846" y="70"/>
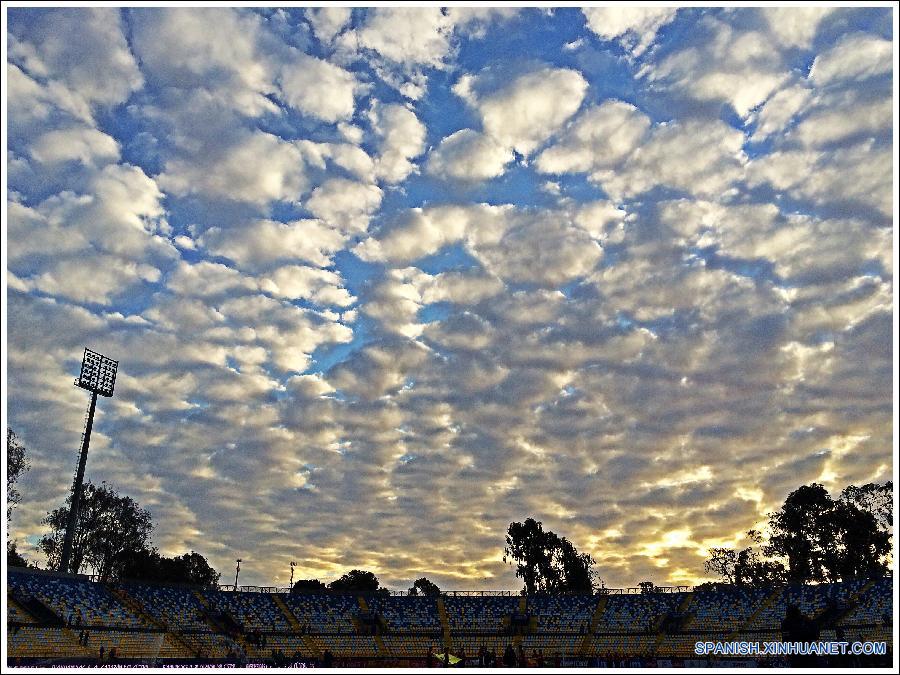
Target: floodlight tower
<point x="98" y="376"/>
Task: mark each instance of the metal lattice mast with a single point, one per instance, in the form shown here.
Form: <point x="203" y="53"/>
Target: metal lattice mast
<point x="98" y="376"/>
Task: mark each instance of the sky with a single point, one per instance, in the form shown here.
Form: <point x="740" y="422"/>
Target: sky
<point x="382" y="281"/>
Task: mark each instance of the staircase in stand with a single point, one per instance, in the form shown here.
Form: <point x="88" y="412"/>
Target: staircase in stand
<point x="770" y="599"/>
<point x="852" y="602"/>
<point x="122" y="596"/>
<point x="445" y="623"/>
<point x="595" y="620"/>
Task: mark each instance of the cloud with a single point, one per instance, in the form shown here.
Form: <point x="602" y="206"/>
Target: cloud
<point x="634" y="27"/>
<point x="467" y="155"/>
<point x="210" y="49"/>
<point x="524" y="112"/>
<point x="404" y="35"/>
<point x="81" y="144"/>
<point x="795" y="26"/>
<point x="328" y="22"/>
<point x="625" y="168"/>
<point x="856" y="57"/>
<point x="859" y="175"/>
<point x="81" y="54"/>
<point x="232" y="173"/>
<point x="233" y="209"/>
<point x="344" y="204"/>
<point x="307" y="283"/>
<point x="732" y="66"/>
<point x="600" y="137"/>
<point x="318" y="88"/>
<point x="264" y="243"/>
<point x="401" y="138"/>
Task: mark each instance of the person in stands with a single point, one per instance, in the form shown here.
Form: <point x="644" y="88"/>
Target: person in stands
<point x="509" y="657"/>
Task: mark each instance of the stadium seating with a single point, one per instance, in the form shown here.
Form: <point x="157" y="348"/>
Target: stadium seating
<point x="636" y="613"/>
<point x="75" y="601"/>
<point x="562" y="614"/>
<point x="724" y="608"/>
<point x="325" y="613"/>
<point x="254" y="611"/>
<point x="407" y="614"/>
<point x="175" y="606"/>
<point x="874" y="606"/>
<point x="479" y="614"/>
<point x="409" y="646"/>
<point x="14" y="614"/>
<point x="159" y="623"/>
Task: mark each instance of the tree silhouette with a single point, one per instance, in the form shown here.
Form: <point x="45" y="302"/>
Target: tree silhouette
<point x="356" y="581"/>
<point x="425" y="588"/>
<point x="109" y="526"/>
<point x="149" y="565"/>
<point x="546" y="562"/>
<point x="16" y="465"/>
<point x="309" y="586"/>
<point x="814" y="538"/>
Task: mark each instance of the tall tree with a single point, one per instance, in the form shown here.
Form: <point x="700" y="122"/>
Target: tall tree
<point x="109" y="526"/>
<point x="546" y="562"/>
<point x="13" y="557"/>
<point x="814" y="538"/>
<point x="356" y="581"/>
<point x="797" y="533"/>
<point x="16" y="464"/>
<point x="149" y="565"/>
<point x="874" y="498"/>
<point x="425" y="588"/>
<point x="527" y="546"/>
<point x="309" y="586"/>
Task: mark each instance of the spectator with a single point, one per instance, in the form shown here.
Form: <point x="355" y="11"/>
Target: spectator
<point x="509" y="657"/>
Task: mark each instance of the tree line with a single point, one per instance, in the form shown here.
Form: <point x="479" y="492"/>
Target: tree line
<point x="814" y="538"/>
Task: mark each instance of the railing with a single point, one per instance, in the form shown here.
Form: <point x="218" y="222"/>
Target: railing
<point x="633" y="590"/>
<point x="254" y="589"/>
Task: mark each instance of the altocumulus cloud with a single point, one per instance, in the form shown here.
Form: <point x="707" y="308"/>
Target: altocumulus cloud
<point x="382" y="281"/>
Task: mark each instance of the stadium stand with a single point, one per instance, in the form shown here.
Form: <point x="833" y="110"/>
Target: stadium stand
<point x="64" y="619"/>
<point x="479" y="614"/>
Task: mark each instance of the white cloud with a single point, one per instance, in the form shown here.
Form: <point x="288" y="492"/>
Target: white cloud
<point x="524" y="112"/>
<point x="419" y="36"/>
<point x="234" y="173"/>
<point x="263" y="243"/>
<point x="296" y="282"/>
<point x="83" y="144"/>
<point x="780" y="109"/>
<point x="602" y="136"/>
<point x="701" y="158"/>
<point x="344" y="204"/>
<point x="728" y="65"/>
<point x="467" y="155"/>
<point x="795" y="26"/>
<point x="634" y="27"/>
<point x="856" y="57"/>
<point x="860" y="173"/>
<point x="836" y="121"/>
<point x="207" y="279"/>
<point x="318" y="88"/>
<point x="401" y="138"/>
<point x="213" y="49"/>
<point x="328" y="22"/>
<point x="84" y="55"/>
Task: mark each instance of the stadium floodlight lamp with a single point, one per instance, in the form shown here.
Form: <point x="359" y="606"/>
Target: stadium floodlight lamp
<point x="98" y="376"/>
<point x="98" y="373"/>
